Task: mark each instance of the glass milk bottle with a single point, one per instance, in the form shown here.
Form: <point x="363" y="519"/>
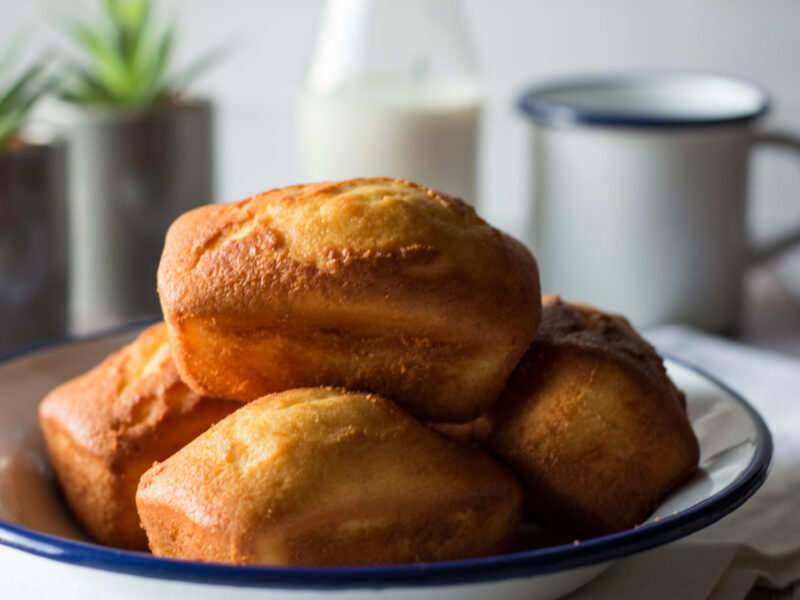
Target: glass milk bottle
<point x="392" y="91"/>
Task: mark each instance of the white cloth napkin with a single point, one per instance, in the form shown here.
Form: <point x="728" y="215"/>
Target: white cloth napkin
<point x="760" y="541"/>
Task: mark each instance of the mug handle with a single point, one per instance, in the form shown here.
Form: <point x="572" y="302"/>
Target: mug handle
<point x="787" y="141"/>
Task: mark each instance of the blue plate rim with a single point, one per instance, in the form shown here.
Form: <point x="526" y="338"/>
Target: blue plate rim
<point x="548" y="112"/>
<point x="458" y="572"/>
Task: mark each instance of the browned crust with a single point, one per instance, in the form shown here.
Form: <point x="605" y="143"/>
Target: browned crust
<point x="419" y="322"/>
<point x="352" y="480"/>
<point x="106" y="427"/>
<point x="582" y="326"/>
<point x="591" y="423"/>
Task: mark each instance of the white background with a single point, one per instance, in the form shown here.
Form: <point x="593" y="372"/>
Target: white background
<point x="517" y="43"/>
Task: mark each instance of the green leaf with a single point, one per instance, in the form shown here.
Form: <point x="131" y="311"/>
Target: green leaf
<point x="108" y="66"/>
<point x="10" y="123"/>
<point x="18" y="99"/>
<point x="146" y="51"/>
<point x="127" y="58"/>
<point x="152" y="81"/>
<point x="84" y="88"/>
<point x="133" y="31"/>
<point x="111" y="10"/>
<point x="16" y="93"/>
<point x="133" y="13"/>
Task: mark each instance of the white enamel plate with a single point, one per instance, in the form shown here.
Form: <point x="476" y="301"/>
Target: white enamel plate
<point x="44" y="555"/>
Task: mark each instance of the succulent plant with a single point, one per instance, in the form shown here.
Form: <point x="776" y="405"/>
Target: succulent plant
<point x="19" y="92"/>
<point x="127" y="59"/>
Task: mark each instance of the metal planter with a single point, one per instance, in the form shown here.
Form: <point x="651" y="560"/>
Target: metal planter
<point x="130" y="176"/>
<point x="33" y="244"/>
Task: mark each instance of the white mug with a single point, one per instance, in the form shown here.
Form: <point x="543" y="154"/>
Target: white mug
<point x="639" y="187"/>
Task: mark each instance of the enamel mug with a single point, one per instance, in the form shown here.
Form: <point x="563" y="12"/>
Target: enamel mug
<point x="638" y="191"/>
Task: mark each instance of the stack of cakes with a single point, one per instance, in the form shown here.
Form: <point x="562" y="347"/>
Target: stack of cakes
<point x="325" y="351"/>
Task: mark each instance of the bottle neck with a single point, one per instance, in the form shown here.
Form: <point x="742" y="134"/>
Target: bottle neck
<point x="391" y="43"/>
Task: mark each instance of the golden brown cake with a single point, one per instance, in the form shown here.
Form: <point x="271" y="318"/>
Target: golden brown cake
<point x="327" y="477"/>
<point x="106" y="427"/>
<point x="376" y="285"/>
<point x="591" y="423"/>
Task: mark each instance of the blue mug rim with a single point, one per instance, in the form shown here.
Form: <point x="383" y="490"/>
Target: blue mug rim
<point x="534" y="104"/>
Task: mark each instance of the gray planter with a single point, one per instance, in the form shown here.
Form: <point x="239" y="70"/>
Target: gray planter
<point x="130" y="177"/>
<point x="33" y="245"/>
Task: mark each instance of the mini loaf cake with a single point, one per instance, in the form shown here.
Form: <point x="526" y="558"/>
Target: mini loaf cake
<point x="377" y="285"/>
<point x="327" y="477"/>
<point x="591" y="423"/>
<point x="106" y="427"/>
